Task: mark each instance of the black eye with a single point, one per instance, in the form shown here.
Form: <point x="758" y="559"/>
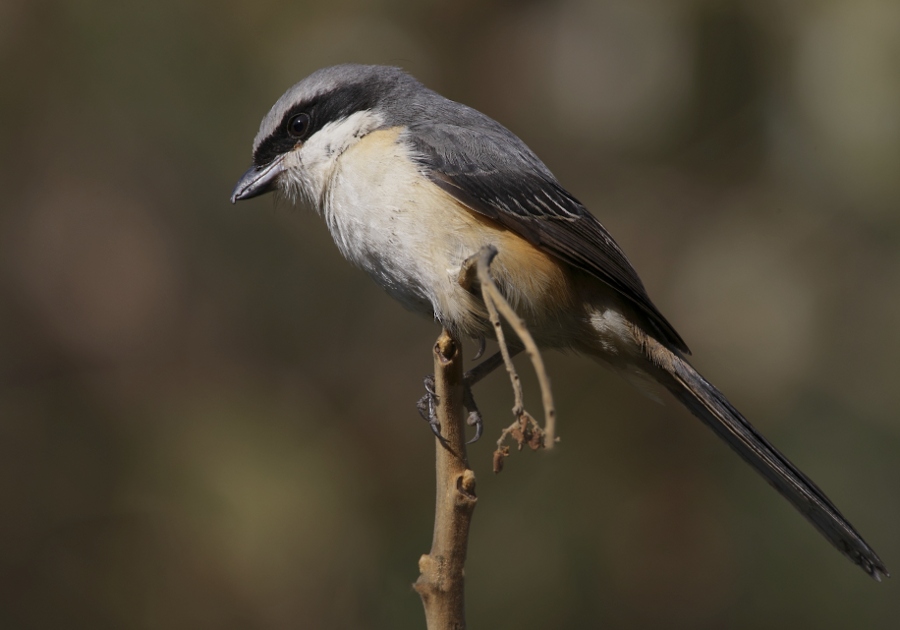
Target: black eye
<point x="298" y="125"/>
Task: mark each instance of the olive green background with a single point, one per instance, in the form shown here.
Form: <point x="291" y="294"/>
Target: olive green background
<point x="207" y="416"/>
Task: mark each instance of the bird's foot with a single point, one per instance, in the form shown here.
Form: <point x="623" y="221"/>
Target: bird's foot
<point x="427" y="407"/>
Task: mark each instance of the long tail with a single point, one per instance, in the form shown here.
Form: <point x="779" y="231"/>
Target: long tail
<point x="710" y="405"/>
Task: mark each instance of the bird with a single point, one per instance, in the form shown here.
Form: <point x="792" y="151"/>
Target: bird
<point x="411" y="184"/>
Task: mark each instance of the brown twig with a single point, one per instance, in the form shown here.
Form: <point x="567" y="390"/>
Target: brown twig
<point x="525" y="429"/>
<point x="441" y="579"/>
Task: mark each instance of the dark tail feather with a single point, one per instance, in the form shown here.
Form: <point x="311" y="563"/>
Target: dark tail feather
<point x="707" y="403"/>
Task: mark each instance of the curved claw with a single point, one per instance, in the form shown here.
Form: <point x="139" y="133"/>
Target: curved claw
<point x="436" y="429"/>
<point x="474" y="417"/>
<point x="475" y="420"/>
<point x="482" y="344"/>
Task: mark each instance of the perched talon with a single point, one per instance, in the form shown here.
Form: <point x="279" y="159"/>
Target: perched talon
<point x="426" y="404"/>
<point x="436" y="429"/>
<point x="427" y="407"/>
<point x="482" y="344"/>
<point x="474" y="420"/>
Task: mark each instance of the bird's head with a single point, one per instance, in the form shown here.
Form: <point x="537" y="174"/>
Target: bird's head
<point x="315" y="121"/>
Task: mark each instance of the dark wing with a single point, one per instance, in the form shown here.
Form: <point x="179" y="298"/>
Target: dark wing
<point x="494" y="173"/>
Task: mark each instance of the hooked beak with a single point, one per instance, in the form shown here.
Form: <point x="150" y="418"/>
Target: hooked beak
<point x="258" y="180"/>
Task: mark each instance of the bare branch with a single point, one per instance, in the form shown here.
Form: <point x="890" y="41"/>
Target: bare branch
<point x="441" y="579"/>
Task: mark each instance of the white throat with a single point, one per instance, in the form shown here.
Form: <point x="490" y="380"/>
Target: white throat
<point x="309" y="168"/>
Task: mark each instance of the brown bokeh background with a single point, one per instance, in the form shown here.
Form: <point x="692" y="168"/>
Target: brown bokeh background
<point x="206" y="415"/>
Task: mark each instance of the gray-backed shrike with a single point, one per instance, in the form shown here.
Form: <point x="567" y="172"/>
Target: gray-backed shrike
<point x="412" y="184"/>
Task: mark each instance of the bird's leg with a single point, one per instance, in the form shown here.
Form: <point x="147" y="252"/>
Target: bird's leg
<point x="427" y="405"/>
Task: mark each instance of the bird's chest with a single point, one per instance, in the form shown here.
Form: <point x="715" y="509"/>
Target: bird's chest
<point x="413" y="239"/>
<point x="386" y="218"/>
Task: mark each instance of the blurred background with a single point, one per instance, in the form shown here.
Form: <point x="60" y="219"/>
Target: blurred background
<point x="207" y="417"/>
